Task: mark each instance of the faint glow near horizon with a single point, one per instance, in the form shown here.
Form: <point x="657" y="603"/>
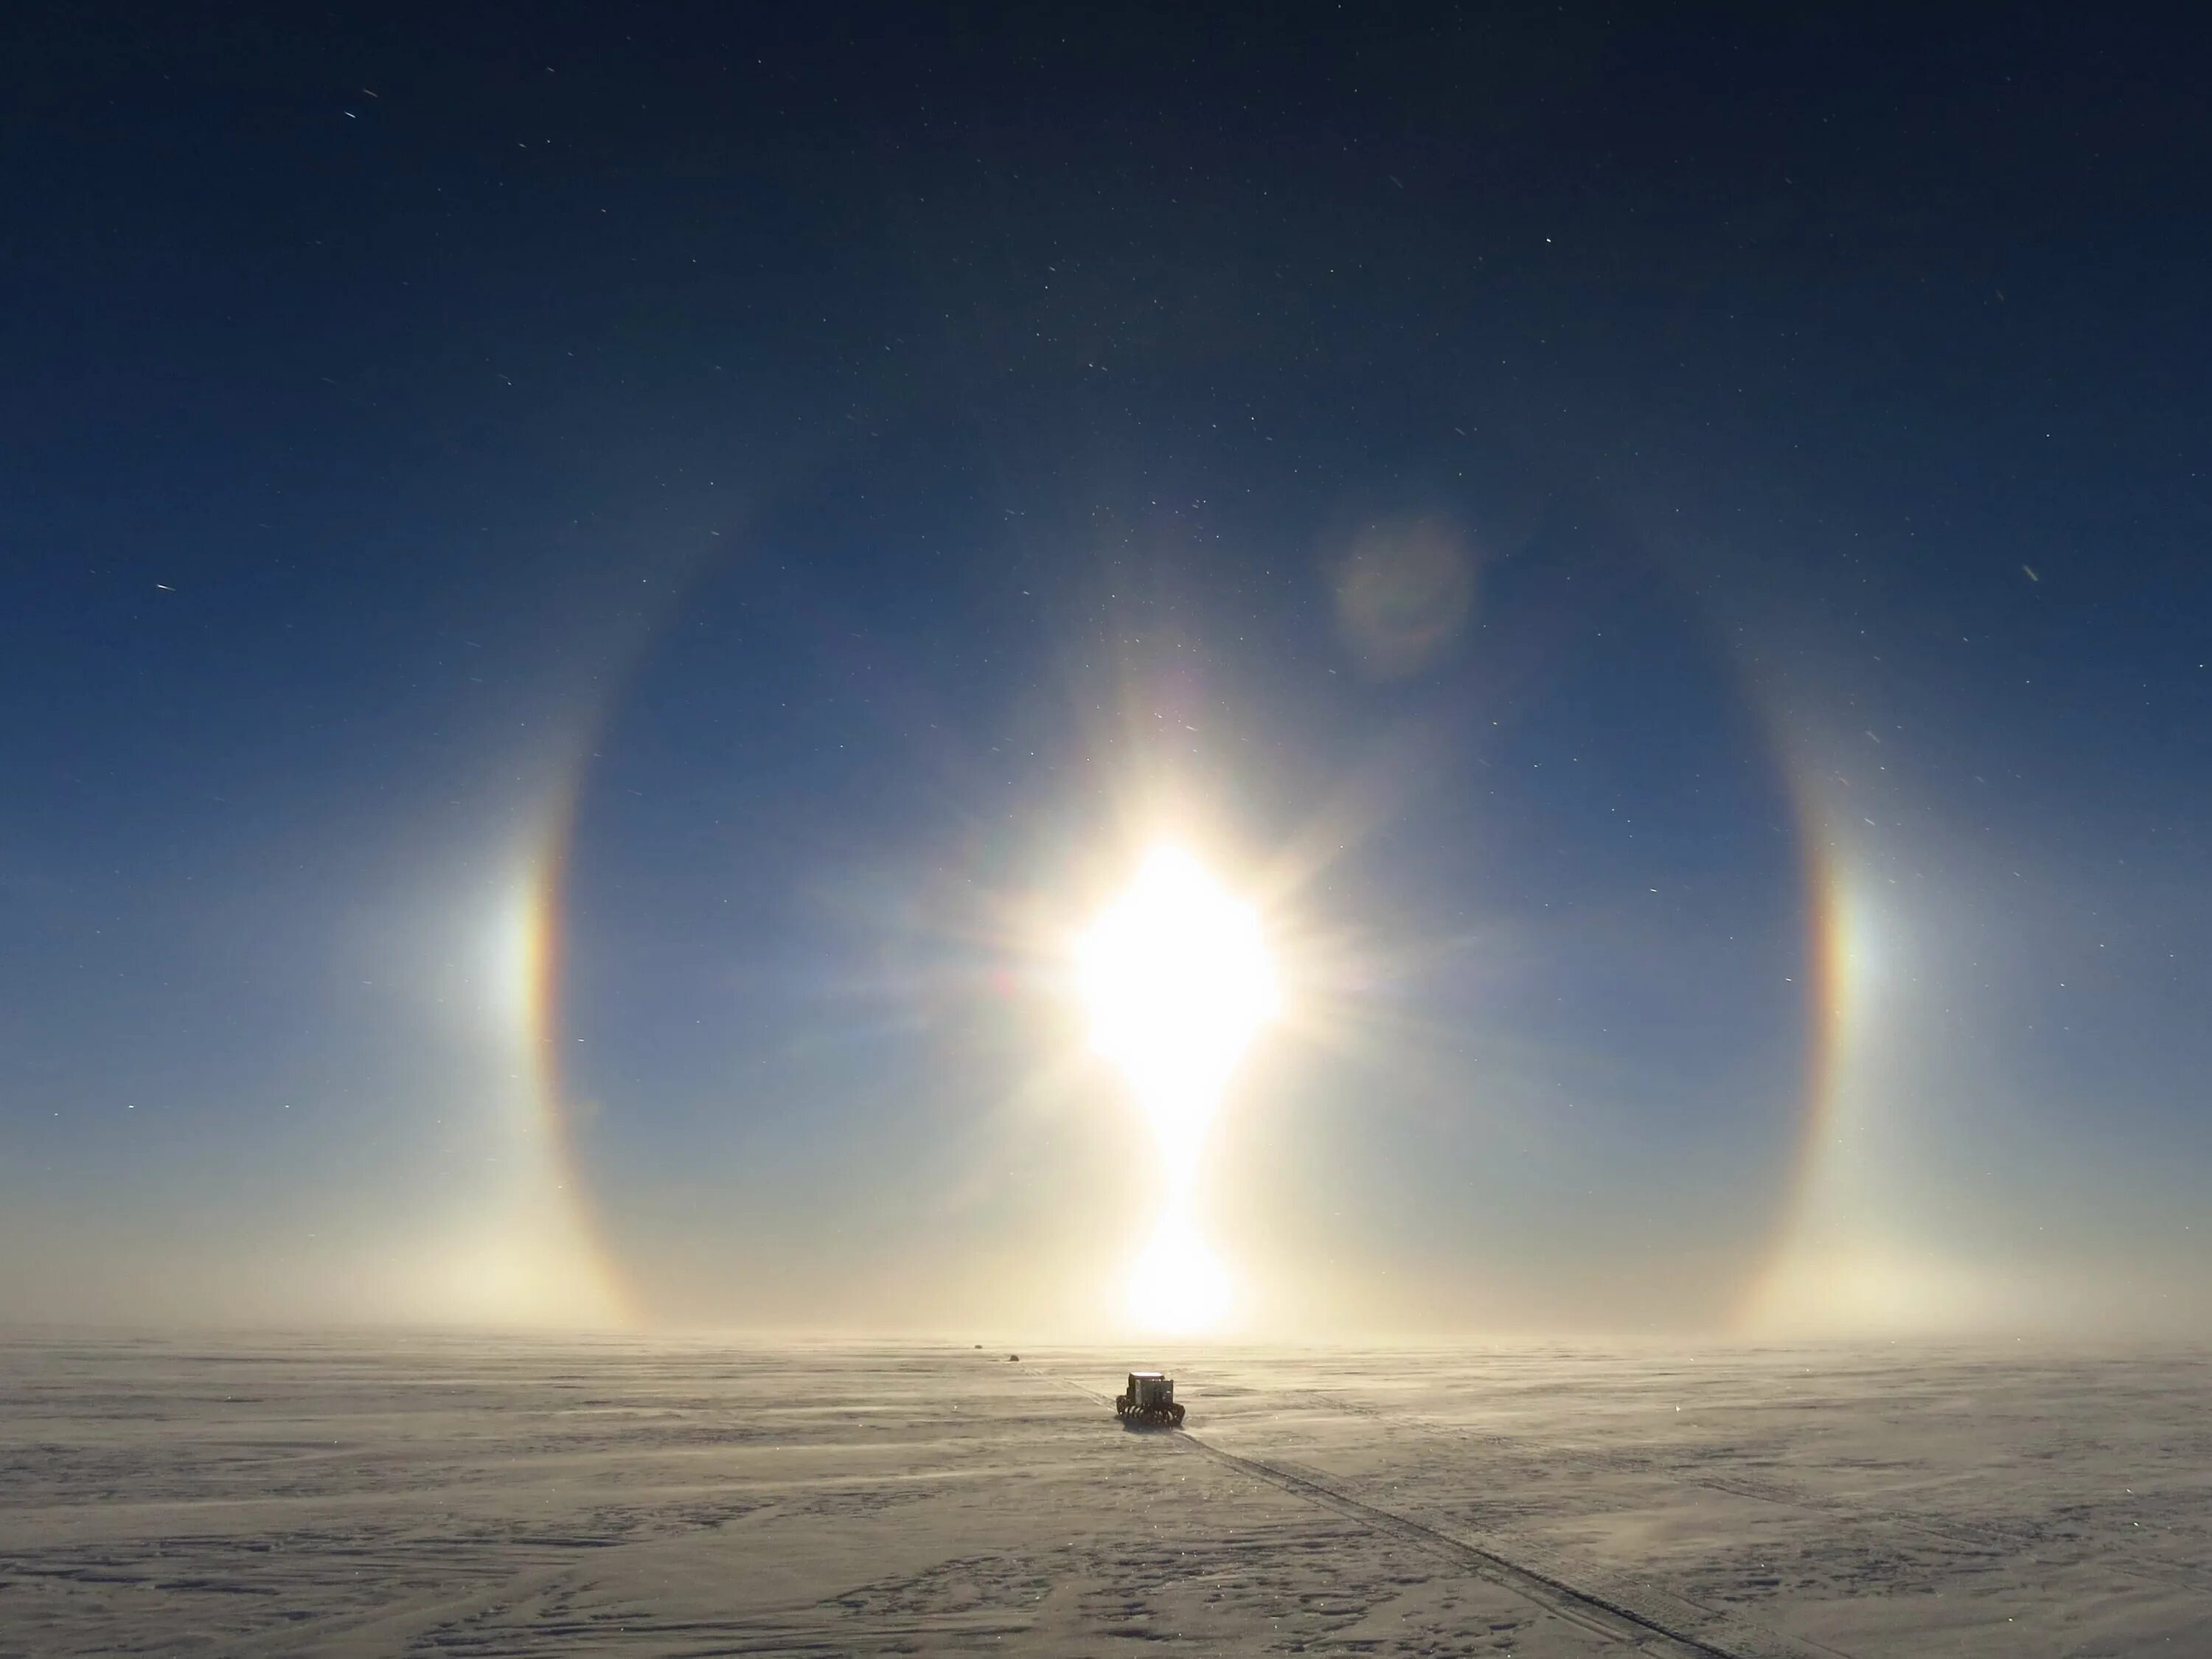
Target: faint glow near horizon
<point x="1177" y="979"/>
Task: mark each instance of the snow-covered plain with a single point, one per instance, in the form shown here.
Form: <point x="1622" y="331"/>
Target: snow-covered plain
<point x="363" y="1496"/>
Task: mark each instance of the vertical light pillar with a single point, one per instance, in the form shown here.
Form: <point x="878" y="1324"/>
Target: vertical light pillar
<point x="1177" y="980"/>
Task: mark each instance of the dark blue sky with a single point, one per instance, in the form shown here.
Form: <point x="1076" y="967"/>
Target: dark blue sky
<point x="866" y="472"/>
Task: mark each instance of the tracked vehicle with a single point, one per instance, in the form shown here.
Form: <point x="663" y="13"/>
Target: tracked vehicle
<point x="1150" y="1400"/>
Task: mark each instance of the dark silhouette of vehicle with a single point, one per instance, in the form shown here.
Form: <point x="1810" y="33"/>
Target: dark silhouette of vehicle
<point x="1150" y="1400"/>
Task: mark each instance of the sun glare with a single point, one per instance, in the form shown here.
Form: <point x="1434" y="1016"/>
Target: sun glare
<point x="1177" y="981"/>
<point x="1178" y="1283"/>
<point x="1177" y="977"/>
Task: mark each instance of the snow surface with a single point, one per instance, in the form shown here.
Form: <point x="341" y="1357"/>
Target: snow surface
<point x="483" y="1496"/>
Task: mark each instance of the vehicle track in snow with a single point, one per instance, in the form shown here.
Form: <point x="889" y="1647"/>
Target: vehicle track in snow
<point x="1640" y="1614"/>
<point x="1995" y="1536"/>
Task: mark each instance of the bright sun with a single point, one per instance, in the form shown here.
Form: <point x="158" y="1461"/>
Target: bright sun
<point x="1177" y="980"/>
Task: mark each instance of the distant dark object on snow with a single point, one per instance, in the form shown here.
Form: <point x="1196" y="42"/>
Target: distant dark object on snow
<point x="1013" y="1358"/>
